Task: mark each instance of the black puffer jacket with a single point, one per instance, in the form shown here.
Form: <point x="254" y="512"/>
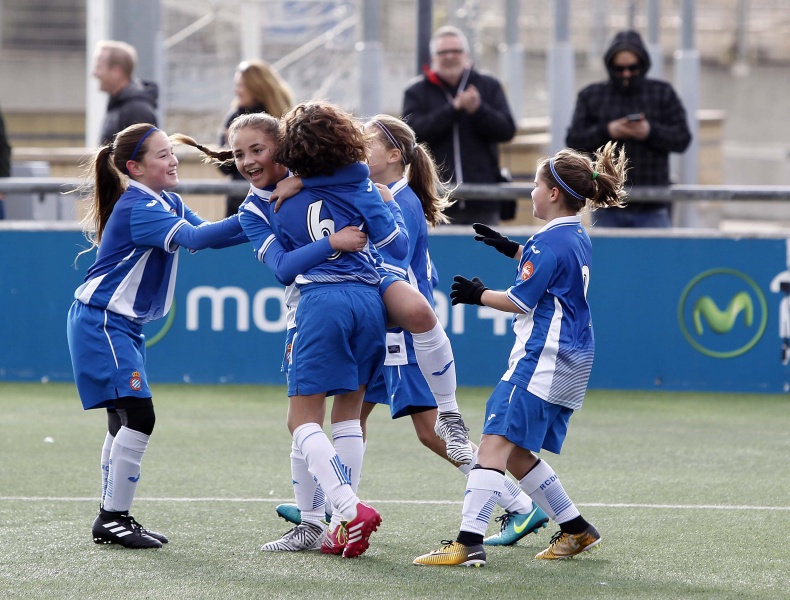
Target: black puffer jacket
<point x="136" y="103"/>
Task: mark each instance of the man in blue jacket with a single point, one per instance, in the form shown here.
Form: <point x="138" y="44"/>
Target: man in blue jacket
<point x="462" y="115"/>
<point x="644" y="115"/>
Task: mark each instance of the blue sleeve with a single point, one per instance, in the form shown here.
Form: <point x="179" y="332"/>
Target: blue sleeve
<point x="287" y="265"/>
<point x="536" y="270"/>
<point x="239" y="238"/>
<point x="382" y="220"/>
<point x="151" y="224"/>
<point x="192" y="217"/>
<point x="208" y="234"/>
<point x="400" y="266"/>
<point x="268" y="250"/>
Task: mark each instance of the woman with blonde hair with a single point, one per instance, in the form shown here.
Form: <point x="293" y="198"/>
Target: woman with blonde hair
<point x="257" y="88"/>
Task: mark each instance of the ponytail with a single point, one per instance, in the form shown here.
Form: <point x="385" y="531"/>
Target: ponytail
<point x="601" y="180"/>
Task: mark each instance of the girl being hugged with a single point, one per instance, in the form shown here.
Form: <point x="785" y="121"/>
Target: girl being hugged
<point x="417" y="379"/>
<point x="549" y="365"/>
<point x="137" y="227"/>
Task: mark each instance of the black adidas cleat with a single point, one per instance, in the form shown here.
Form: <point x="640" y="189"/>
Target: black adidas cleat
<point x="122" y="529"/>
<point x="154" y="534"/>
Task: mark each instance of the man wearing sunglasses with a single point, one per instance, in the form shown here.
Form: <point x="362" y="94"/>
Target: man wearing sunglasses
<point x="644" y="115"/>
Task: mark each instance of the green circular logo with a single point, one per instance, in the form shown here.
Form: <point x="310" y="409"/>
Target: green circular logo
<point x="171" y="316"/>
<point x="700" y="312"/>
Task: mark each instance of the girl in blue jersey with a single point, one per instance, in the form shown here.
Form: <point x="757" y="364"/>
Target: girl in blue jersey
<point x="550" y="363"/>
<point x="137" y="228"/>
<point x="338" y="348"/>
<point x="253" y="138"/>
<point x="408" y="171"/>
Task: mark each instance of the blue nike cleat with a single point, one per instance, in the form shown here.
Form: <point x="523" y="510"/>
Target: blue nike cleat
<point x="515" y="526"/>
<point x="292" y="514"/>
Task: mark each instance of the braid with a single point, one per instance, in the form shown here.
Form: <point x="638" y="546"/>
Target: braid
<point x="220" y="157"/>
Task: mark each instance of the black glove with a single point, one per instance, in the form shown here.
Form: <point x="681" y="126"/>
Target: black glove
<point x="496" y="240"/>
<point x="466" y="291"/>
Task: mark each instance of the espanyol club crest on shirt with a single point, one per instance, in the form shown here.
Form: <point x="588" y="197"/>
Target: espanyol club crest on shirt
<point x="527" y="270"/>
<point x="136" y="383"/>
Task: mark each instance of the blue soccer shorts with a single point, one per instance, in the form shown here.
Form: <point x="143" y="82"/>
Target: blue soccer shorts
<point x="526" y="420"/>
<point x="340" y="339"/>
<point x="107" y="355"/>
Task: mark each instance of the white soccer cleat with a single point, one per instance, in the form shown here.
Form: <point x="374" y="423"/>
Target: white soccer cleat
<point x="305" y="536"/>
<point x="451" y="428"/>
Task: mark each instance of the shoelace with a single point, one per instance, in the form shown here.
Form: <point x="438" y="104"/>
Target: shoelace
<point x="457" y="430"/>
<point x="134" y="525"/>
<point x="505" y="519"/>
<point x="341" y="534"/>
<point x="556" y="538"/>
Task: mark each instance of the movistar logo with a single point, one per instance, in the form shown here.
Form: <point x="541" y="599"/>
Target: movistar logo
<point x="722" y="313"/>
<point x="722" y="321"/>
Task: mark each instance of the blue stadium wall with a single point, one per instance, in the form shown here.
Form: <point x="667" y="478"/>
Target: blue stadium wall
<point x="674" y="313"/>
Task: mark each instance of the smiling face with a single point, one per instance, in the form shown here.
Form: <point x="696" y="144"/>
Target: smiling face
<point x="252" y="151"/>
<point x="111" y="78"/>
<point x="157" y="168"/>
<point x="450" y="58"/>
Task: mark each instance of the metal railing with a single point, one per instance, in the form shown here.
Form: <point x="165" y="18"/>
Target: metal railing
<point x="499" y="191"/>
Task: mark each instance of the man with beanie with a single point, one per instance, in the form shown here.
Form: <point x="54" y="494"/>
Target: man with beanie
<point x="644" y="115"/>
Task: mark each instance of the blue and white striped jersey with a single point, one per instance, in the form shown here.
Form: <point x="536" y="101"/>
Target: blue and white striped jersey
<point x="553" y="353"/>
<point x="347" y="197"/>
<point x="255" y="218"/>
<point x="135" y="269"/>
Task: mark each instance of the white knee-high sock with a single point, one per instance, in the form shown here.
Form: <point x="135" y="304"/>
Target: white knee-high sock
<point x="105" y="464"/>
<point x="545" y="489"/>
<point x="324" y="463"/>
<point x="347" y="440"/>
<point x="483" y="488"/>
<point x="513" y="498"/>
<point x="126" y="455"/>
<point x="350" y="447"/>
<point x="437" y="363"/>
<point x="309" y="495"/>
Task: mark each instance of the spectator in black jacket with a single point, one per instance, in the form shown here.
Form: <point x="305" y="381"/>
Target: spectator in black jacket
<point x="257" y="87"/>
<point x="131" y="100"/>
<point x="645" y="115"/>
<point x="462" y="115"/>
<point x="5" y="161"/>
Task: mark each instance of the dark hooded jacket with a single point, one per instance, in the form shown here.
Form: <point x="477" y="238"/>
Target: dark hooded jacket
<point x="600" y="103"/>
<point x="136" y="103"/>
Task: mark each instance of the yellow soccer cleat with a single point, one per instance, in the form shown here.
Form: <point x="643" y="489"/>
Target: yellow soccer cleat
<point x="565" y="545"/>
<point x="454" y="554"/>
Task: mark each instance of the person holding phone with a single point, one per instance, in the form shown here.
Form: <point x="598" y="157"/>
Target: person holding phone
<point x="645" y="115"/>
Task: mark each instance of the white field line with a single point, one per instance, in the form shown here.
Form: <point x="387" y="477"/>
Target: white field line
<point x="409" y="502"/>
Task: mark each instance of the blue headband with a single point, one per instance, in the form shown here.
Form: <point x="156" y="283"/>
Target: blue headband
<point x="392" y="139"/>
<point x="140" y="143"/>
<point x="564" y="185"/>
